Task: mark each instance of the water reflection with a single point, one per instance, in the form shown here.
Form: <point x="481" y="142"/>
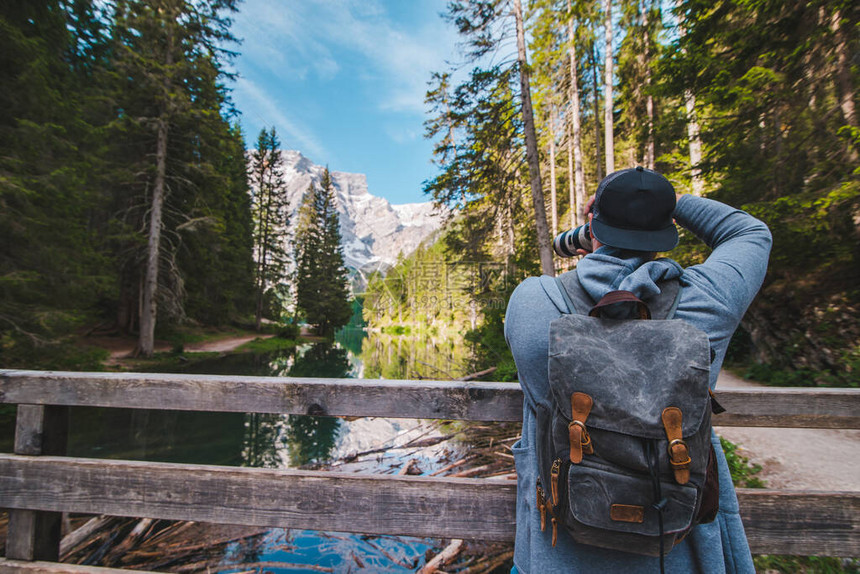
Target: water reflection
<point x="322" y="359"/>
<point x="295" y="440"/>
<point x="232" y="439"/>
<point x="165" y="436"/>
<point x="262" y="440"/>
<point x="311" y="439"/>
<point x="424" y="356"/>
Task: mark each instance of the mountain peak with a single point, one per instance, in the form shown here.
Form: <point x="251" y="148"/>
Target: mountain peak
<point x="373" y="230"/>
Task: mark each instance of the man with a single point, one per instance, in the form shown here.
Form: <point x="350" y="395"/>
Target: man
<point x="632" y="219"/>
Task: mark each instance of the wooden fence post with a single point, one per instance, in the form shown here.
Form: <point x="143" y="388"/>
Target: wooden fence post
<point x="33" y="535"/>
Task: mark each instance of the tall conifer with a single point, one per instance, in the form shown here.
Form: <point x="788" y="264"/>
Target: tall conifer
<point x="271" y="213"/>
<point x="166" y="51"/>
<point x="322" y="292"/>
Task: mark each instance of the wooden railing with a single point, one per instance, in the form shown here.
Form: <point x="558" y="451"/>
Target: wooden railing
<point x="38" y="483"/>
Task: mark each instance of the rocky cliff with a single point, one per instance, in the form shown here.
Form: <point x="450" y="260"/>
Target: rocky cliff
<point x="374" y="231"/>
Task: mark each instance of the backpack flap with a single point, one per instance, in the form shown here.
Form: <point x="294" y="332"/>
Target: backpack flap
<point x="632" y="370"/>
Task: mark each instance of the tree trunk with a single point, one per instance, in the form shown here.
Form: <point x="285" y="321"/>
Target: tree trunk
<point x="843" y="70"/>
<point x="843" y="77"/>
<point x="571" y="175"/>
<point x="552" y="182"/>
<point x="697" y="183"/>
<point x="577" y="183"/>
<point x="608" y="105"/>
<point x="511" y="238"/>
<point x="693" y="135"/>
<point x="598" y="166"/>
<point x="541" y="227"/>
<point x="649" y="99"/>
<point x="126" y="312"/>
<point x="146" y="341"/>
<point x="149" y="307"/>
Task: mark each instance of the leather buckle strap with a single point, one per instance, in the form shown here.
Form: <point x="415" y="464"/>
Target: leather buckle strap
<point x="679" y="455"/>
<point x="580" y="441"/>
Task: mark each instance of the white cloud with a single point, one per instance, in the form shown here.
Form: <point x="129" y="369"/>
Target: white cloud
<point x="269" y="112"/>
<point x="403" y="59"/>
<point x="295" y="39"/>
<point x="277" y="37"/>
<point x="403" y="134"/>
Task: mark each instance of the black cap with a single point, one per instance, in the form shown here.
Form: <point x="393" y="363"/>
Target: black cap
<point x="633" y="210"/>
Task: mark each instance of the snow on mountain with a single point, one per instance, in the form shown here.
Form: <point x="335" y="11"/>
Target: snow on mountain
<point x="373" y="231"/>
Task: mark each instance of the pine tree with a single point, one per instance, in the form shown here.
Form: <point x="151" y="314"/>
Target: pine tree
<point x="271" y="218"/>
<point x="322" y="292"/>
<point x="214" y="225"/>
<point x="167" y="52"/>
<point x="777" y="142"/>
<point x="486" y="25"/>
<point x="532" y="156"/>
<point x="54" y="269"/>
<point x="482" y="178"/>
<point x="78" y="133"/>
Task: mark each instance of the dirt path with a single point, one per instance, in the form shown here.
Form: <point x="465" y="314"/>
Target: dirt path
<point x="121" y="348"/>
<point x="223" y="345"/>
<point x="797" y="459"/>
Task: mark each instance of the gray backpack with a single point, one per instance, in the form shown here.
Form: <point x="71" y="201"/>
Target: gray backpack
<point x="624" y="449"/>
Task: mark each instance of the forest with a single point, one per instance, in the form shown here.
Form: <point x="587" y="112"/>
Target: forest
<point x="748" y="102"/>
<point x="129" y="204"/>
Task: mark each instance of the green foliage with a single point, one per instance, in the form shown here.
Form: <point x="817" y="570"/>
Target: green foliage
<point x="54" y="356"/>
<point x="771" y="87"/>
<point x="269" y="344"/>
<point x="423" y="292"/>
<point x="288" y="331"/>
<point x="772" y="375"/>
<point x="271" y="212"/>
<point x="491" y="349"/>
<point x="743" y="472"/>
<point x="215" y="254"/>
<point x="483" y="175"/>
<point x="322" y="292"/>
<point x="806" y="564"/>
<point x="770" y="77"/>
<point x="52" y="263"/>
<point x="83" y="88"/>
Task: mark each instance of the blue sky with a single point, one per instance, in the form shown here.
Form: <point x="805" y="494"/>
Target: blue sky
<point x="343" y="81"/>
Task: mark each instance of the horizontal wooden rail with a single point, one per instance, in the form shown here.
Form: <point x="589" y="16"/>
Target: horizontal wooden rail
<point x="344" y="502"/>
<point x="822" y="523"/>
<point x="42" y="567"/>
<point x="477" y="401"/>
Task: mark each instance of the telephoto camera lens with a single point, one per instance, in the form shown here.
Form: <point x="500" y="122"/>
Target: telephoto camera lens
<point x="566" y="243"/>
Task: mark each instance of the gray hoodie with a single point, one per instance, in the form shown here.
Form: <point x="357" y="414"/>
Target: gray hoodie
<point x="714" y="297"/>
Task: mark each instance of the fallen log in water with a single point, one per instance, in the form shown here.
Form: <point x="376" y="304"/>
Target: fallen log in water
<point x="443" y="558"/>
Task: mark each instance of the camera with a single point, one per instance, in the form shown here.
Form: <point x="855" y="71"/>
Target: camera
<point x="566" y="243"/>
